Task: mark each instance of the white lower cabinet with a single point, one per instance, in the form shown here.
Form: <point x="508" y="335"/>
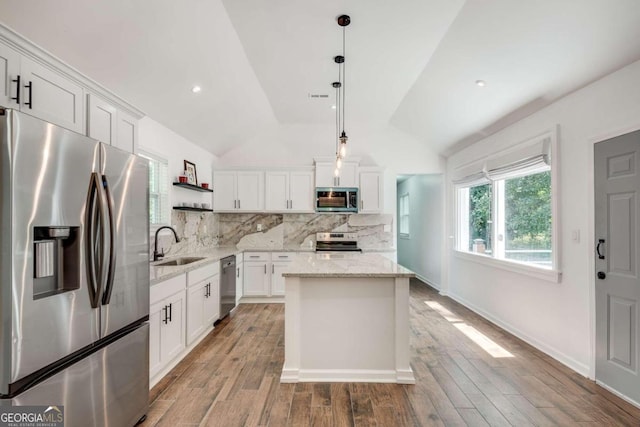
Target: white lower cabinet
<point x="263" y="273"/>
<point x="167" y="323"/>
<point x="203" y="307"/>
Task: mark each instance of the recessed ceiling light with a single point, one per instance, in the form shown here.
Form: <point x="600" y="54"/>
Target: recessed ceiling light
<point x="196" y="89"/>
<point x="481" y="83"/>
<point x="333" y="107"/>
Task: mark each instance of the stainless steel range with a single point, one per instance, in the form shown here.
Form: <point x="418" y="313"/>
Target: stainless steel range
<point x="337" y="242"/>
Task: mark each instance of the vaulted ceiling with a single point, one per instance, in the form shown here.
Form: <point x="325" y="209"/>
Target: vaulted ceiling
<point x="411" y="64"/>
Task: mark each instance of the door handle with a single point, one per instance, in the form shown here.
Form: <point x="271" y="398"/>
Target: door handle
<point x="17" y="97"/>
<point x="94" y="218"/>
<point x="602" y="275"/>
<point x="106" y="298"/>
<point x="238" y="272"/>
<point x="265" y="269"/>
<point x="170" y="311"/>
<point x="238" y="203"/>
<point x="361" y="204"/>
<point x="30" y="87"/>
<point x="166" y="318"/>
<point x="272" y="269"/>
<point x="600" y="242"/>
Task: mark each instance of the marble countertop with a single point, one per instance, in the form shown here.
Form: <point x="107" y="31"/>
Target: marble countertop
<point x="158" y="274"/>
<point x="345" y="265"/>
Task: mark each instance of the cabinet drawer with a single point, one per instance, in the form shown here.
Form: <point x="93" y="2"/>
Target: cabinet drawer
<point x="283" y="256"/>
<point x="257" y="256"/>
<point x="167" y="288"/>
<point x="199" y="274"/>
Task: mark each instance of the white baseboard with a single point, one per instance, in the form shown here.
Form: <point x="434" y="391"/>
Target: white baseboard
<point x="579" y="367"/>
<point x="347" y="376"/>
<point x="262" y="300"/>
<point x="428" y="281"/>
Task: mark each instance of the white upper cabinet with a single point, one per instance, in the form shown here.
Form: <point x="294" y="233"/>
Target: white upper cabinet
<point x="109" y="125"/>
<point x="38" y="84"/>
<point x="371" y="190"/>
<point x="238" y="191"/>
<point x="102" y="120"/>
<point x="9" y="71"/>
<point x="289" y="191"/>
<point x="325" y="174"/>
<point x="41" y="92"/>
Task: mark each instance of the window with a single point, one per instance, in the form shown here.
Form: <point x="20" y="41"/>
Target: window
<point x="404" y="215"/>
<point x="158" y="190"/>
<point x="506" y="211"/>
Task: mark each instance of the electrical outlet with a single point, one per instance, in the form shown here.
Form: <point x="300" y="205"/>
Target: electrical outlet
<point x="259" y="227"/>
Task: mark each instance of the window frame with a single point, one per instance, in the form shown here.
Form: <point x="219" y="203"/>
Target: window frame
<point x="407" y="216"/>
<point x="553" y="274"/>
<point x="167" y="208"/>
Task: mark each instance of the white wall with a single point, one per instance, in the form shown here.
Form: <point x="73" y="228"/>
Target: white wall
<point x="157" y="139"/>
<point x="421" y="251"/>
<point x="555" y="317"/>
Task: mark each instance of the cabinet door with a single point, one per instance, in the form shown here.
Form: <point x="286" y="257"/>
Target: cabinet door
<point x="239" y="281"/>
<point x="195" y="311"/>
<point x="224" y="191"/>
<point x="250" y="190"/>
<point x="212" y="302"/>
<point x="277" y="281"/>
<point x="102" y="120"/>
<point x="371" y="187"/>
<point x="324" y="174"/>
<point x="9" y="70"/>
<point x="256" y="279"/>
<point x="301" y="191"/>
<point x="52" y="97"/>
<point x="348" y="175"/>
<point x="127" y="132"/>
<point x="277" y="191"/>
<point x="172" y="334"/>
<point x="155" y="345"/>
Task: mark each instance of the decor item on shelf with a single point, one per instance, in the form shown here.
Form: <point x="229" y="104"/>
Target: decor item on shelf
<point x="205" y="185"/>
<point x="197" y="205"/>
<point x="182" y="179"/>
<point x="190" y="172"/>
<point x="206" y="206"/>
<point x="341" y="135"/>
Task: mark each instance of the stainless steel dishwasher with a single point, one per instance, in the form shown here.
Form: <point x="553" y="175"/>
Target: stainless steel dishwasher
<point x="227" y="285"/>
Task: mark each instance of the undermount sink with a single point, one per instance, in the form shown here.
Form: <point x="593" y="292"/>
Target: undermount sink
<point x="178" y="261"/>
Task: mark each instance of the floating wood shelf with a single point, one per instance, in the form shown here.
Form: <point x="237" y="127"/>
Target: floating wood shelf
<point x="193" y="187"/>
<point x="186" y="208"/>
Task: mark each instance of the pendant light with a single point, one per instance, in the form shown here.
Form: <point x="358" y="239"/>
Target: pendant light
<point x="341" y="136"/>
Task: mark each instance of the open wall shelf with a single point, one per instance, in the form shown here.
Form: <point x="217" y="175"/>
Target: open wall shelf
<point x="186" y="208"/>
<point x="193" y="187"/>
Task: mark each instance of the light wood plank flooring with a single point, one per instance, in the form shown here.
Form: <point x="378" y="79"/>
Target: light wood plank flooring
<point x="232" y="379"/>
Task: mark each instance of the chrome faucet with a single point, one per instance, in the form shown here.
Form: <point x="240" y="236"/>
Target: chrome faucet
<point x="157" y="255"/>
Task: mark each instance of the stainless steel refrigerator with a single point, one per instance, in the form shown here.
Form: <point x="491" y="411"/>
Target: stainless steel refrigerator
<point x="74" y="274"/>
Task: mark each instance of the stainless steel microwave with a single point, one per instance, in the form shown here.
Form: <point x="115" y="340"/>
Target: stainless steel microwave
<point x="336" y="199"/>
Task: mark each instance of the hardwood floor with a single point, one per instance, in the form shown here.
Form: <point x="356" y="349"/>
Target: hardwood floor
<point x="232" y="379"/>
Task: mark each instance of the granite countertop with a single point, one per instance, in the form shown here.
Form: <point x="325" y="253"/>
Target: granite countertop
<point x="160" y="273"/>
<point x="345" y="265"/>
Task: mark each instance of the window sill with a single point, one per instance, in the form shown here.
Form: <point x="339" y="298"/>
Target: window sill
<point x="553" y="276"/>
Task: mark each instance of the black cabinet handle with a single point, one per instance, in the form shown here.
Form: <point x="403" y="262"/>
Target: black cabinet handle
<point x="602" y="275"/>
<point x="17" y="97"/>
<point x="238" y="272"/>
<point x="170" y="311"/>
<point x="166" y="317"/>
<point x="600" y="242"/>
<point x="30" y="87"/>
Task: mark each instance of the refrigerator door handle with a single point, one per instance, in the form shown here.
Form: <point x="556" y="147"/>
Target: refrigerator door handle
<point x="106" y="298"/>
<point x="92" y="213"/>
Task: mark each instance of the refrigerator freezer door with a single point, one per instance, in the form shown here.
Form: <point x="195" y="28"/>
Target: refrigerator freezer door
<point x="126" y="292"/>
<point x="45" y="179"/>
<point x="109" y="388"/>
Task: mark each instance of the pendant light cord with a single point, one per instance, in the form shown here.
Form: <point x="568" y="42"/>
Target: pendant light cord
<point x="344" y="75"/>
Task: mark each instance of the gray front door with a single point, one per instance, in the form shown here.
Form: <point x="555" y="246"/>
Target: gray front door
<point x="617" y="184"/>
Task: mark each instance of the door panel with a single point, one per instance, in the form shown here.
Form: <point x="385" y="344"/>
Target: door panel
<point x="617" y="183"/>
<point x="50" y="179"/>
<point x="250" y="189"/>
<point x="277" y="184"/>
<point x="301" y="191"/>
<point x="195" y="315"/>
<point x="127" y="136"/>
<point x="127" y="178"/>
<point x="102" y="120"/>
<point x="9" y="70"/>
<point x="224" y="191"/>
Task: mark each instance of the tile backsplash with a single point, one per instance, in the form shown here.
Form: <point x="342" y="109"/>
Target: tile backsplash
<point x="201" y="231"/>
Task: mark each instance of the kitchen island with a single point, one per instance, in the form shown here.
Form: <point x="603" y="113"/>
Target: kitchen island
<point x="346" y="319"/>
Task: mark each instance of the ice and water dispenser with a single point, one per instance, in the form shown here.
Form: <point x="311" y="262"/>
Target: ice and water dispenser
<point x="56" y="260"/>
